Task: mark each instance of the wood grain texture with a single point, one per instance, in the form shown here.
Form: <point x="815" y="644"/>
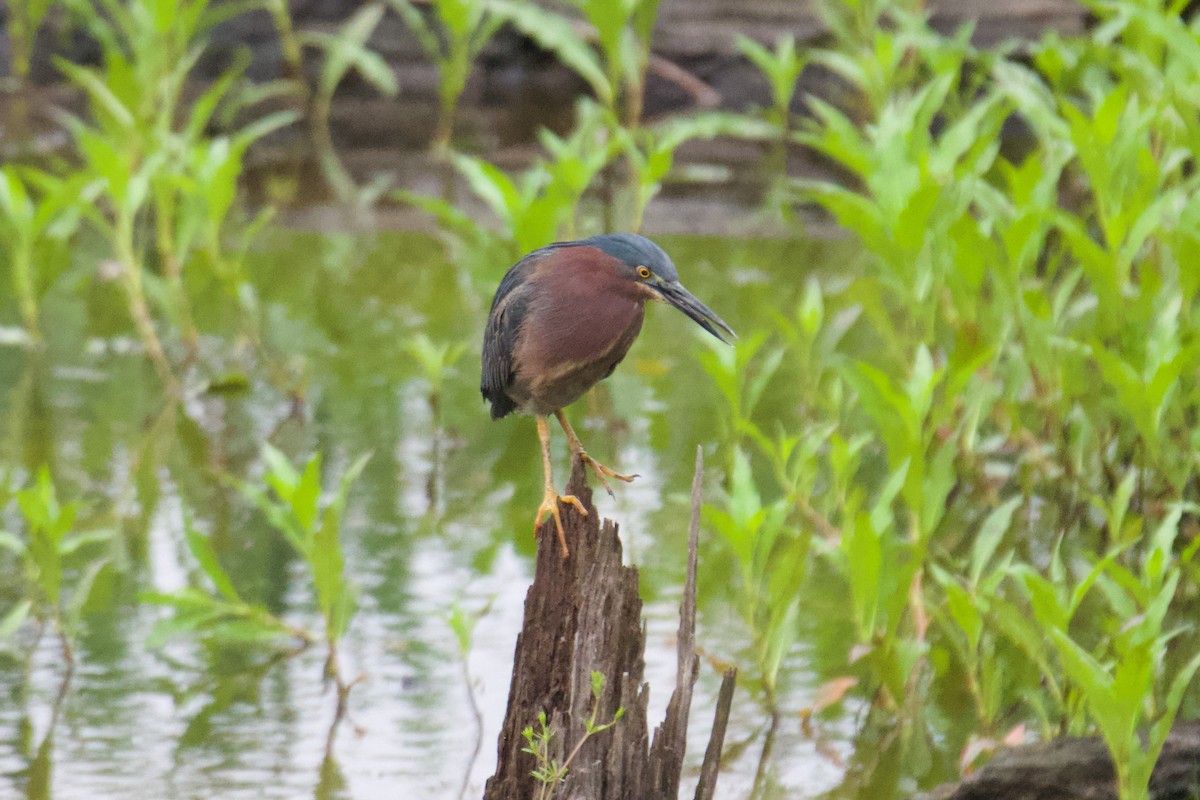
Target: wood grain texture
<point x="583" y="614"/>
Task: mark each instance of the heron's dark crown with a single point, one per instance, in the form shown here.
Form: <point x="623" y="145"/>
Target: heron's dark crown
<point x="635" y="251"/>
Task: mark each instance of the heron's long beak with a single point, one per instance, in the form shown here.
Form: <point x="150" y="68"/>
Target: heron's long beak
<point x="674" y="293"/>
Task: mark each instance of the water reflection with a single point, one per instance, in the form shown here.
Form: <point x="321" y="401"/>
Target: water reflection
<point x="443" y="513"/>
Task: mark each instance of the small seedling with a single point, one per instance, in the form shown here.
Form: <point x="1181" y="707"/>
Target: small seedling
<point x="549" y="771"/>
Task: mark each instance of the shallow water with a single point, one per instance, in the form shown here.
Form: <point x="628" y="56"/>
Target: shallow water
<point x="441" y="515"/>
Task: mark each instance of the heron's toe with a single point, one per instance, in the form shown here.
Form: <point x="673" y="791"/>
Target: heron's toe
<point x="550" y="500"/>
<point x="604" y="473"/>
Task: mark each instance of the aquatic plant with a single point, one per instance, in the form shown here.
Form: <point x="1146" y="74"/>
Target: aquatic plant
<point x="294" y="507"/>
<point x="39" y="213"/>
<point x="219" y="615"/>
<point x="539" y="206"/>
<point x="464" y="27"/>
<point x="344" y="51"/>
<point x="623" y="29"/>
<point x="58" y="579"/>
<point x="991" y="307"/>
<point x="146" y="159"/>
<point x="1123" y="680"/>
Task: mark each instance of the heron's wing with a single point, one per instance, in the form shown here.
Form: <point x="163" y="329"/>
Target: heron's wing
<point x="500" y="336"/>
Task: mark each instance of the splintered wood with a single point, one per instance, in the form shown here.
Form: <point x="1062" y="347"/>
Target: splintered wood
<point x="583" y="615"/>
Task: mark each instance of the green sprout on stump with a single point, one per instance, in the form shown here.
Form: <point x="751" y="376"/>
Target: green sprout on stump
<point x="549" y="771"/>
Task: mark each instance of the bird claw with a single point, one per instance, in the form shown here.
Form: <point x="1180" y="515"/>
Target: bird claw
<point x="602" y="471"/>
<point x="550" y="501"/>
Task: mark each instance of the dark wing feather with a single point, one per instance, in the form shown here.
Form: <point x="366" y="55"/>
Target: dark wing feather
<point x="500" y="337"/>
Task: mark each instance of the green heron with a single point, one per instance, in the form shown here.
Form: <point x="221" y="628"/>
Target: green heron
<point x="563" y="318"/>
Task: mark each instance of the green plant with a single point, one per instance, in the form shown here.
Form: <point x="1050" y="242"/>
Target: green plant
<point x="772" y="561"/>
<point x="149" y="161"/>
<point x="858" y="22"/>
<point x="36" y="225"/>
<point x="312" y="526"/>
<point x="464" y="28"/>
<point x="436" y="360"/>
<point x="25" y="18"/>
<point x="782" y="68"/>
<point x="550" y="772"/>
<point x="344" y="51"/>
<point x="222" y="617"/>
<point x="49" y="552"/>
<point x="538" y="207"/>
<point x="622" y="29"/>
<point x="881" y="570"/>
<point x="462" y="624"/>
<point x="885" y="48"/>
<point x="617" y="77"/>
<point x="289" y="42"/>
<point x="742" y="374"/>
<point x="650" y="151"/>
<point x="1122" y="680"/>
<point x="968" y="610"/>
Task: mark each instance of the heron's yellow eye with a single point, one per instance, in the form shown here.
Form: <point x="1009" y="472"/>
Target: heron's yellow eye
<point x="643" y="272"/>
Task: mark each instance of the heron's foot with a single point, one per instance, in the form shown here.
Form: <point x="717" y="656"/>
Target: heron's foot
<point x="603" y="472"/>
<point x="550" y="501"/>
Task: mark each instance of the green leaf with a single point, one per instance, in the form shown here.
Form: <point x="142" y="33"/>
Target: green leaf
<point x="990" y="534"/>
<point x="10" y="542"/>
<point x="100" y="94"/>
<point x="81" y="592"/>
<point x="80" y="540"/>
<point x="263" y="126"/>
<point x="864" y="558"/>
<point x="347" y="49"/>
<point x="597" y="684"/>
<point x="492" y="186"/>
<point x="415" y="20"/>
<point x="280" y="467"/>
<point x="556" y="34"/>
<point x="206" y="557"/>
<point x="463" y="626"/>
<point x="11" y="621"/>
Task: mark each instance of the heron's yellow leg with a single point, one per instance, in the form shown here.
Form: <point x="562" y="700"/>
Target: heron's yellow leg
<point x="550" y="497"/>
<point x="577" y="450"/>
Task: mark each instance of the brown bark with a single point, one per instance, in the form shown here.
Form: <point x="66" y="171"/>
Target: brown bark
<point x="583" y="615"/>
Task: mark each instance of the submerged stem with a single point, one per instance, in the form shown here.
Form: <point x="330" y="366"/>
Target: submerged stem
<point x="139" y="310"/>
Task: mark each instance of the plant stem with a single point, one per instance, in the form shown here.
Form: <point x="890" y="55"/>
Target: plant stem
<point x="68" y="654"/>
<point x="174" y="273"/>
<point x="131" y="270"/>
<point x="289" y="43"/>
<point x="23" y="280"/>
<point x="478" y="717"/>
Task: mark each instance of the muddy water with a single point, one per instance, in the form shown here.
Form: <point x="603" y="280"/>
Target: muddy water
<point x="442" y="515"/>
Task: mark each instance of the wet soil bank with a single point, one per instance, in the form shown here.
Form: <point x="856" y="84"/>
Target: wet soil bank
<point x="516" y="89"/>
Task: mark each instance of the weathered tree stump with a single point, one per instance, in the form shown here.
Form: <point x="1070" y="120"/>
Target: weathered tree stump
<point x="1077" y="768"/>
<point x="583" y="615"/>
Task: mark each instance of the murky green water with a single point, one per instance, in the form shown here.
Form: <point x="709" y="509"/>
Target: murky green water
<point x="442" y="514"/>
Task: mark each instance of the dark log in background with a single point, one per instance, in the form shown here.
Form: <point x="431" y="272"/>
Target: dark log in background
<point x="583" y="615"/>
<point x="1078" y="768"/>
